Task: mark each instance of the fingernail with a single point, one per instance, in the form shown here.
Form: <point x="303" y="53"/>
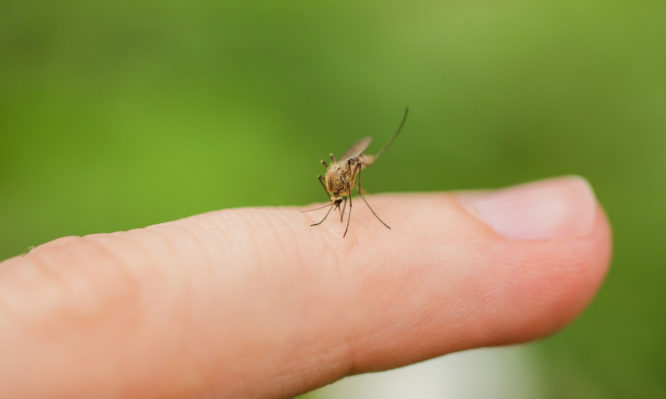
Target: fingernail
<point x="548" y="209"/>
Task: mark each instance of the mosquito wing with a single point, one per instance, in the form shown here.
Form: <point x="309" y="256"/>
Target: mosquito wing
<point x="357" y="149"/>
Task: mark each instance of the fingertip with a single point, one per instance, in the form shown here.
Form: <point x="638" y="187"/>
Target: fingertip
<point x="259" y="295"/>
<point x="550" y="283"/>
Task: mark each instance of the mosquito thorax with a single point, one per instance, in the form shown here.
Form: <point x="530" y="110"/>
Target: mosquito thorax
<point x="338" y="176"/>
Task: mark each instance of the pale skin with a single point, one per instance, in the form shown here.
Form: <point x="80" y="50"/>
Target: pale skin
<point x="255" y="303"/>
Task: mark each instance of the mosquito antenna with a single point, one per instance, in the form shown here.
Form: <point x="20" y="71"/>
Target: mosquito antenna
<point x="316" y="209"/>
<point x="404" y="118"/>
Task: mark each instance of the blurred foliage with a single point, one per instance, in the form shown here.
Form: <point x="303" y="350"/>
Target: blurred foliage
<point x="118" y="114"/>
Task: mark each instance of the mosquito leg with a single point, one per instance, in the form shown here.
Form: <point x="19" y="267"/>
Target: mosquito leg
<point x="373" y="212"/>
<point x="366" y="202"/>
<point x="349" y="215"/>
<point x="325" y="216"/>
<point x="342" y="214"/>
<point x="323" y="185"/>
<point x="350" y="203"/>
<point x="316" y="209"/>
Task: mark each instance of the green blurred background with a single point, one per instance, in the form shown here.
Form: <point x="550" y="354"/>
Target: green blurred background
<point x="120" y="114"/>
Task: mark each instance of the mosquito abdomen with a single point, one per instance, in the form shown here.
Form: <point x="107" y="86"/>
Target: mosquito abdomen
<point x="366" y="160"/>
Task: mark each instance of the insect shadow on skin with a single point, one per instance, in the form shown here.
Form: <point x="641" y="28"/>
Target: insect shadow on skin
<point x="341" y="174"/>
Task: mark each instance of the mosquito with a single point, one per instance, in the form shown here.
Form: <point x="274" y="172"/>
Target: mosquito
<point x="341" y="175"/>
